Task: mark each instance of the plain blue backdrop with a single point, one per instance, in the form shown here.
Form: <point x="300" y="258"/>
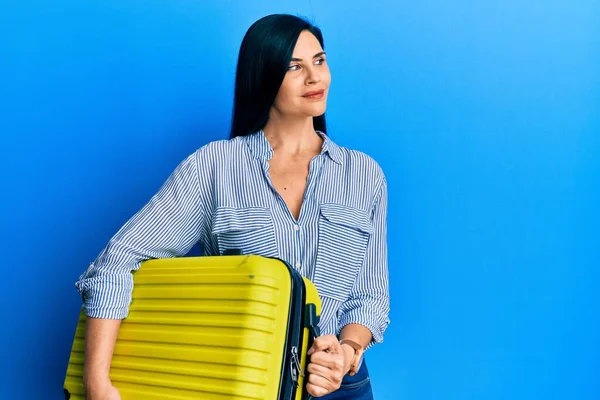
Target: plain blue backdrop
<point x="485" y="116"/>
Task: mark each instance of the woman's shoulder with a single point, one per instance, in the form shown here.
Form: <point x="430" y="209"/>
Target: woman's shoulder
<point x="360" y="163"/>
<point x="216" y="155"/>
<point x="221" y="150"/>
<point x="220" y="146"/>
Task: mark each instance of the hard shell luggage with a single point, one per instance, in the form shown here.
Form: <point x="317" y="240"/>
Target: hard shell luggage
<point x="213" y="328"/>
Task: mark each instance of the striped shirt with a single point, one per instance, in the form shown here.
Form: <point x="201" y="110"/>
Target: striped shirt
<point x="222" y="197"/>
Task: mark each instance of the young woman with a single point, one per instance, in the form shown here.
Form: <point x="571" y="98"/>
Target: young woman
<point x="279" y="187"/>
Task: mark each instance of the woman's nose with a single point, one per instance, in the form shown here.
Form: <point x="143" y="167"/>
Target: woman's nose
<point x="313" y="75"/>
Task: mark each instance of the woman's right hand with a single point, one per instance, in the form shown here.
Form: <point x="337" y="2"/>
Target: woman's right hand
<point x="101" y="391"/>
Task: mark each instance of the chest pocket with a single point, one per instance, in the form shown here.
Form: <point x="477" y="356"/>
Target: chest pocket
<point x="248" y="229"/>
<point x="344" y="234"/>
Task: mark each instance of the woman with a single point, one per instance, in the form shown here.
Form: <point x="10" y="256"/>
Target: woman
<point x="318" y="206"/>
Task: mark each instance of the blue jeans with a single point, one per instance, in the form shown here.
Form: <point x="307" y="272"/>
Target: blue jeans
<point x="357" y="387"/>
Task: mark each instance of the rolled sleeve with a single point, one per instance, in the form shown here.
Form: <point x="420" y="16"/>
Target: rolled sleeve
<point x="167" y="226"/>
<point x="369" y="301"/>
<point x="105" y="295"/>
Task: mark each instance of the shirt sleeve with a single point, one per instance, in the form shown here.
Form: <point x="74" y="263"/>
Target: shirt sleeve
<point x="167" y="226"/>
<point x="369" y="301"/>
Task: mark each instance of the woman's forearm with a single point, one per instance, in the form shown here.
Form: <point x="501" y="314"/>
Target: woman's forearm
<point x="100" y="339"/>
<point x="357" y="333"/>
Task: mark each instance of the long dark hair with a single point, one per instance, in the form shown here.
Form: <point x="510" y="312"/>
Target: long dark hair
<point x="264" y="58"/>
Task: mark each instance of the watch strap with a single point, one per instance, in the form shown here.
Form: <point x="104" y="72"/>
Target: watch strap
<point x="358" y="351"/>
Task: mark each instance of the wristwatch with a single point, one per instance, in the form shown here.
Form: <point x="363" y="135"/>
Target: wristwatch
<point x="358" y="352"/>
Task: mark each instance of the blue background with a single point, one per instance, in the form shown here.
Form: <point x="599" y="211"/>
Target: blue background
<point x="485" y="117"/>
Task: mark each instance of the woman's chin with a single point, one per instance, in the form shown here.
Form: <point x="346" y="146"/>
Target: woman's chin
<point x="316" y="111"/>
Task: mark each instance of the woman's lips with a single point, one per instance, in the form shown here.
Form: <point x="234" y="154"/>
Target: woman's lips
<point x="315" y="95"/>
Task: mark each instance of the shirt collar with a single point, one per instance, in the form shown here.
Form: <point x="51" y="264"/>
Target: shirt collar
<point x="330" y="148"/>
<point x="261" y="148"/>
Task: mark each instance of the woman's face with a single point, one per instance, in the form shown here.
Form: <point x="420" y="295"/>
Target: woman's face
<point x="303" y="92"/>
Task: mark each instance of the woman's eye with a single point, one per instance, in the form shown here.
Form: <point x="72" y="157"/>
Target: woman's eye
<point x="294" y="67"/>
<point x="321" y="61"/>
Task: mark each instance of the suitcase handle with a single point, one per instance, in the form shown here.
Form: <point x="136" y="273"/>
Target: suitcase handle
<point x="311" y="321"/>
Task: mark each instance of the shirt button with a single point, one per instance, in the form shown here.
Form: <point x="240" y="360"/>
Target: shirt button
<point x="296" y="228"/>
<point x="298" y="265"/>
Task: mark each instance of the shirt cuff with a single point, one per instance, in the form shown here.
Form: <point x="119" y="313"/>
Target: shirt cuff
<point x="103" y="298"/>
<point x="356" y="316"/>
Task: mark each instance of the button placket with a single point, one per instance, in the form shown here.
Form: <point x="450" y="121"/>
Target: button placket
<point x="298" y="264"/>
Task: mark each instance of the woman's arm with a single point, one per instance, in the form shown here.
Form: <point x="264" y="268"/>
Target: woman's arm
<point x="100" y="338"/>
<point x="167" y="226"/>
<point x="369" y="303"/>
<point x="363" y="317"/>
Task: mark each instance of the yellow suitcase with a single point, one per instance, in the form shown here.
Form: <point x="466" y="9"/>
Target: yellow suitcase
<point x="213" y="328"/>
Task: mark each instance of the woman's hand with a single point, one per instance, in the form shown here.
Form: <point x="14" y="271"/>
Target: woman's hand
<point x="329" y="362"/>
<point x="101" y="390"/>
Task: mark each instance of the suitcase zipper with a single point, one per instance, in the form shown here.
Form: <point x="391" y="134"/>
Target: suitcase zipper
<point x="295" y="366"/>
<point x="291" y="370"/>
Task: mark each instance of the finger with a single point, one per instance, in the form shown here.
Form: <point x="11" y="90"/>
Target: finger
<point x="317" y="369"/>
<point x="315" y="391"/>
<point x="328" y="360"/>
<point x="334" y="376"/>
<point x="322" y="382"/>
<point x="326" y="342"/>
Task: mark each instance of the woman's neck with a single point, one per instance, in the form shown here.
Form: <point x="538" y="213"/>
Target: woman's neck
<point x="292" y="136"/>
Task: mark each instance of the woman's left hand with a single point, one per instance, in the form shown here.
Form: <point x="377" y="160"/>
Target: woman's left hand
<point x="329" y="362"/>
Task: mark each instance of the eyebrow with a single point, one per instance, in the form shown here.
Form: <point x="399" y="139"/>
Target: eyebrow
<point x="315" y="56"/>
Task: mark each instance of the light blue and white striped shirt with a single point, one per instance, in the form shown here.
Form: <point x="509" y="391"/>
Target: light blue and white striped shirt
<point x="222" y="197"/>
